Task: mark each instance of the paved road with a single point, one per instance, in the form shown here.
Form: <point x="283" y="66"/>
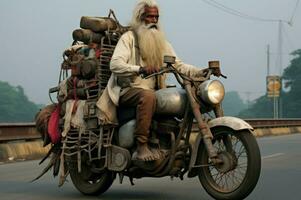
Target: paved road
<point x="280" y="179"/>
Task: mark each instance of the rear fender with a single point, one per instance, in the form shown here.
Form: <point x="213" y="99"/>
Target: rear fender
<point x="196" y="139"/>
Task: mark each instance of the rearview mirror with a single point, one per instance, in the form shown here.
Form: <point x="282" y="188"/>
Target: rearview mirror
<point x="213" y="64"/>
<point x="169" y="60"/>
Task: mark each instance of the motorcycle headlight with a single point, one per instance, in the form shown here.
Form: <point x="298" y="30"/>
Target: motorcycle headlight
<point x="211" y="91"/>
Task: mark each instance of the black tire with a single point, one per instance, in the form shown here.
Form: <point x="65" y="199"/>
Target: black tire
<point x="217" y="180"/>
<point x="90" y="183"/>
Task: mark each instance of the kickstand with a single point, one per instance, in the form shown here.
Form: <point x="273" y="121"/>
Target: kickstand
<point x="132" y="180"/>
<point x="120" y="177"/>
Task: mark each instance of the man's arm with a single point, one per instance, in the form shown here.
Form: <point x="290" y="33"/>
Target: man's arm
<point x="123" y="56"/>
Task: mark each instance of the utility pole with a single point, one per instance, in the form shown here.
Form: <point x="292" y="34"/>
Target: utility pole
<point x="280" y="47"/>
<point x="278" y="101"/>
<point x="275" y="97"/>
<point x="268" y="60"/>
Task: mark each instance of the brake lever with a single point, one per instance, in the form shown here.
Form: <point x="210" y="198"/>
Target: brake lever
<point x="225" y="77"/>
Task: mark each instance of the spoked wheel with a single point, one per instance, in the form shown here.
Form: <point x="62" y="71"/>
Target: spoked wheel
<point x="88" y="182"/>
<point x="237" y="175"/>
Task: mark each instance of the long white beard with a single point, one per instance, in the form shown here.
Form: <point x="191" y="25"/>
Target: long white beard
<point x="152" y="44"/>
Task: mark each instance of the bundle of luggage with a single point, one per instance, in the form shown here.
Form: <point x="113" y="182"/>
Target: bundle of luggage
<point x="88" y="60"/>
<point x="90" y="54"/>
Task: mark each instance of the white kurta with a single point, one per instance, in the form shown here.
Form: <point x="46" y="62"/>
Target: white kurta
<point x="123" y="63"/>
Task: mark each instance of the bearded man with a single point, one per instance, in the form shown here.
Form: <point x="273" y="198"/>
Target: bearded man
<point x="141" y="51"/>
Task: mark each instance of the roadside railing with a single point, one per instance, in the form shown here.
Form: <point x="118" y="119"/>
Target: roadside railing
<point x="18" y="131"/>
<point x="27" y="131"/>
<point x="274" y="123"/>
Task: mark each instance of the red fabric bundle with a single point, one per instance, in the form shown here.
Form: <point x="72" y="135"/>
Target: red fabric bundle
<point x="53" y="125"/>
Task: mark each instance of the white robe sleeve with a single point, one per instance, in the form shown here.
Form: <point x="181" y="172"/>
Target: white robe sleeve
<point x="123" y="53"/>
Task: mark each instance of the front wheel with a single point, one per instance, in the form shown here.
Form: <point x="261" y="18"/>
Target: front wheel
<point x="237" y="176"/>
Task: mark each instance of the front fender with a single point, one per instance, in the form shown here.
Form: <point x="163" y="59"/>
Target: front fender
<point x="196" y="140"/>
<point x="231" y="122"/>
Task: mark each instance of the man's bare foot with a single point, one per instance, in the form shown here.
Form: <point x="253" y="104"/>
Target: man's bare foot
<point x="157" y="152"/>
<point x="144" y="153"/>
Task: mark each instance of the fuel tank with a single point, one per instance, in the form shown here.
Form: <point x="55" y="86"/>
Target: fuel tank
<point x="171" y="102"/>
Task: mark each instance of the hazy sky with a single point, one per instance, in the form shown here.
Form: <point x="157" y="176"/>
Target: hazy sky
<point x="34" y="34"/>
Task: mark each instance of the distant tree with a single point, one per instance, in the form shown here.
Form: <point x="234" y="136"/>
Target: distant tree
<point x="14" y="104"/>
<point x="233" y="104"/>
<point x="260" y="108"/>
<point x="291" y="100"/>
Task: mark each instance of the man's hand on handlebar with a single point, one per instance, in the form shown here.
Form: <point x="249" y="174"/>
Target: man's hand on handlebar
<point x="205" y="73"/>
<point x="202" y="73"/>
<point x="145" y="71"/>
<point x="217" y="72"/>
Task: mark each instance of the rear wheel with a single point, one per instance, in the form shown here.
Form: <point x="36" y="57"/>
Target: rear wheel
<point x="88" y="182"/>
<point x="237" y="176"/>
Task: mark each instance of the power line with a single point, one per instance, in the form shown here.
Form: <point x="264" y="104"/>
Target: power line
<point x="288" y="39"/>
<point x="237" y="13"/>
<point x="294" y="12"/>
<point x="240" y="14"/>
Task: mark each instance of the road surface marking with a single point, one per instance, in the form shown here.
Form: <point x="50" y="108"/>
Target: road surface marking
<point x="272" y="156"/>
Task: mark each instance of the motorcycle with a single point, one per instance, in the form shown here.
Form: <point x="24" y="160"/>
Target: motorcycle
<point x="188" y="128"/>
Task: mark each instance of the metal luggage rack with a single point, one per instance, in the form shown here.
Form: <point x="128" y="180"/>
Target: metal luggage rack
<point x="107" y="46"/>
<point x="94" y="142"/>
<point x="95" y="139"/>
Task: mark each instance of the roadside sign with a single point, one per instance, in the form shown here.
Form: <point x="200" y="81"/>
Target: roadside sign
<point x="273" y="86"/>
